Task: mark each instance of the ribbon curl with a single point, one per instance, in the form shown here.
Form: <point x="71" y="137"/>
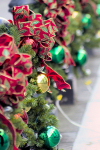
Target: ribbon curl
<point x="14" y="67"/>
<point x="39" y="34"/>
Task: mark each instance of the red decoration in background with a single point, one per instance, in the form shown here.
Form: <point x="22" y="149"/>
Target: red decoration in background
<point x="23" y="115"/>
<point x="38" y="33"/>
<point x="14" y="67"/>
<point x="84" y="3"/>
<point x="60" y="10"/>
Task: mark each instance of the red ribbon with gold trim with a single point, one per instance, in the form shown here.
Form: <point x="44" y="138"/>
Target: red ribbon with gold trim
<point x="40" y="33"/>
<point x="60" y="10"/>
<point x="14" y="67"/>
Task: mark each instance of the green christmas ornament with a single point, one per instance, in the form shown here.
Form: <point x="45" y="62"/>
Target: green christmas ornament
<point x="50" y="136"/>
<point x="98" y="10"/>
<point x="57" y="54"/>
<point x="86" y="20"/>
<point x="81" y="57"/>
<point x="4" y="141"/>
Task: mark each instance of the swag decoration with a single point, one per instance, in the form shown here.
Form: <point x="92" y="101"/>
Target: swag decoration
<point x="39" y="33"/>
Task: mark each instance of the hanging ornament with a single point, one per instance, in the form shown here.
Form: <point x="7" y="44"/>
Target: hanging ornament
<point x="86" y="20"/>
<point x="57" y="54"/>
<point x="4" y="141"/>
<point x="43" y="82"/>
<point x="76" y="16"/>
<point x="97" y="34"/>
<point x="81" y="57"/>
<point x="4" y="21"/>
<point x="30" y="41"/>
<point x="98" y="10"/>
<point x="50" y="135"/>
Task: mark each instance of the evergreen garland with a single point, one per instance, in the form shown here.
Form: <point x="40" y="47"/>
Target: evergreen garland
<point x="39" y="114"/>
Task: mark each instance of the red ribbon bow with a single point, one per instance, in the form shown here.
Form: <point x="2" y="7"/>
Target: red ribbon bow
<point x="42" y="32"/>
<point x="33" y="26"/>
<point x="14" y="68"/>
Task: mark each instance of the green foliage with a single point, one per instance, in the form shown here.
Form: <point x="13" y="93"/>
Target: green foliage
<point x="13" y="30"/>
<point x="39" y="113"/>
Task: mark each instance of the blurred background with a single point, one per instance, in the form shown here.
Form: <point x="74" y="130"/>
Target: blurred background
<point x="4" y="9"/>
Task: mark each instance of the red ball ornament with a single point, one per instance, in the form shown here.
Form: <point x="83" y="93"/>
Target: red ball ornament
<point x="30" y="41"/>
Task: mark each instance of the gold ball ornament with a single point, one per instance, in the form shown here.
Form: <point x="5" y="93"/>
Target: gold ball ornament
<point x="43" y="82"/>
<point x="97" y="34"/>
<point x="77" y="16"/>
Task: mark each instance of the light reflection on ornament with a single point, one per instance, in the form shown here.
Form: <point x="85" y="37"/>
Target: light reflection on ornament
<point x="50" y="135"/>
<point x="81" y="57"/>
<point x="86" y="20"/>
<point x="43" y="82"/>
<point x="76" y="16"/>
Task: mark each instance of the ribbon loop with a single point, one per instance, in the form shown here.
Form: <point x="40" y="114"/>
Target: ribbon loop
<point x="33" y="26"/>
<point x="14" y="68"/>
<point x="41" y="33"/>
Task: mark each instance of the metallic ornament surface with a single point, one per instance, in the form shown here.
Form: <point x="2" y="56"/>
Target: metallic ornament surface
<point x="98" y="9"/>
<point x="43" y="82"/>
<point x="76" y="16"/>
<point x="4" y="21"/>
<point x="81" y="57"/>
<point x="50" y="135"/>
<point x="57" y="54"/>
<point x="86" y="20"/>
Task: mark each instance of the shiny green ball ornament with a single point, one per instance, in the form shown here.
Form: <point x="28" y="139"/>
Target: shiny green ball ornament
<point x="98" y="10"/>
<point x="50" y="135"/>
<point x="58" y="54"/>
<point x="4" y="141"/>
<point x="87" y="21"/>
<point x="81" y="57"/>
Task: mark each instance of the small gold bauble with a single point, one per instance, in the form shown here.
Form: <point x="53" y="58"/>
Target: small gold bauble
<point x="77" y="16"/>
<point x="27" y="109"/>
<point x="43" y="82"/>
